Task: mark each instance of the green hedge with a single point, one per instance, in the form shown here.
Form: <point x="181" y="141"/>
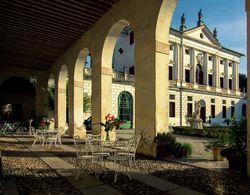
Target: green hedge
<point x="209" y="132"/>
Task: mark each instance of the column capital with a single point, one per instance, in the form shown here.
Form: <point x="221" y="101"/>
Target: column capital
<point x="247" y="6"/>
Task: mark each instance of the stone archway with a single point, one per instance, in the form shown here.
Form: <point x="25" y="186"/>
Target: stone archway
<point x="61" y="98"/>
<point x="17" y="100"/>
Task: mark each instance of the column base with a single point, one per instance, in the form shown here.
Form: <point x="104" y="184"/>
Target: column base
<point x="75" y="130"/>
<point x="147" y="148"/>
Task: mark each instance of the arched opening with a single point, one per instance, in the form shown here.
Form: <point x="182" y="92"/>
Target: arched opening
<point x="123" y="61"/>
<point x="102" y="81"/>
<point x="87" y="93"/>
<point x="203" y="111"/>
<point x="244" y="111"/>
<point x="123" y="65"/>
<point x="125" y="109"/>
<point x="17" y="100"/>
<point x="62" y="98"/>
<point x="51" y="98"/>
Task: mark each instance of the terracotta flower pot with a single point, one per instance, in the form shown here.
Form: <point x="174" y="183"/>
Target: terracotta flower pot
<point x="216" y="154"/>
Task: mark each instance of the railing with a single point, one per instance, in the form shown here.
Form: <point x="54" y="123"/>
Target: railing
<point x="202" y="87"/>
<point x="87" y="72"/>
<point x="117" y="76"/>
<point x="232" y="92"/>
<point x="224" y="91"/>
<point x="125" y="77"/>
<point x="212" y="89"/>
<point x="172" y="83"/>
<point x="190" y="85"/>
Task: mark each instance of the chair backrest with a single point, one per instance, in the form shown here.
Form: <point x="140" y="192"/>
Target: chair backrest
<point x="32" y="130"/>
<point x="133" y="143"/>
<point x="83" y="147"/>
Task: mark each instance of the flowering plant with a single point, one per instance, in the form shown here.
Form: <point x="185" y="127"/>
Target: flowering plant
<point x="44" y="124"/>
<point x="110" y="123"/>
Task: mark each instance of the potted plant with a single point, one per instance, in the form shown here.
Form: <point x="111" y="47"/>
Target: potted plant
<point x="236" y="153"/>
<point x="218" y="145"/>
<point x="165" y="144"/>
<point x="110" y="123"/>
<point x="182" y="150"/>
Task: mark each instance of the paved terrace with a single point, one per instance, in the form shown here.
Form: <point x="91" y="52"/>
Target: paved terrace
<point x="38" y="170"/>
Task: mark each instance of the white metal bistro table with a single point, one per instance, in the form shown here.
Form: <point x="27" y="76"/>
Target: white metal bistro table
<point x="45" y="134"/>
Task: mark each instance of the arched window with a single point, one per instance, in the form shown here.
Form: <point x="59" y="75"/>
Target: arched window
<point x="125" y="107"/>
<point x="244" y="110"/>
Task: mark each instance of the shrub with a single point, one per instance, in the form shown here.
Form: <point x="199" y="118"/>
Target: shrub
<point x="209" y="132"/>
<point x="168" y="140"/>
<point x="187" y="146"/>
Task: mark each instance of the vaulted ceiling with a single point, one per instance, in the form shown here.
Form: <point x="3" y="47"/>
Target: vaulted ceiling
<point x="34" y="33"/>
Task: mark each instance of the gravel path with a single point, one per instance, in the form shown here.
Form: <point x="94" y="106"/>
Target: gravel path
<point x="199" y="179"/>
<point x="31" y="174"/>
<point x="31" y="171"/>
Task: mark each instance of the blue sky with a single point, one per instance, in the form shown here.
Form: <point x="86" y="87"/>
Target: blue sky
<point x="228" y="16"/>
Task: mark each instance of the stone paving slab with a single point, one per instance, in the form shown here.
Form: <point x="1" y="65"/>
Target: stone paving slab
<point x="150" y="180"/>
<point x="85" y="183"/>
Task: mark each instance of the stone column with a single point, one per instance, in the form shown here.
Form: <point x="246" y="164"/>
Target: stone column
<point x="76" y="109"/>
<point x="248" y="86"/>
<point x="101" y="92"/>
<point x="60" y="106"/>
<point x="235" y="76"/>
<point x="182" y="66"/>
<point x="151" y="93"/>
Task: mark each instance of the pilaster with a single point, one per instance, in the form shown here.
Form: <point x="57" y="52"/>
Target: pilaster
<point x="226" y="78"/>
<point x="205" y="68"/>
<point x="235" y="76"/>
<point x="176" y="62"/>
<point x="193" y="66"/>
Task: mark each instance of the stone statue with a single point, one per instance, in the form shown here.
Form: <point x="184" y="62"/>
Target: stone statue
<point x="196" y="121"/>
<point x="183" y="19"/>
<point x="197" y="110"/>
<point x="200" y="22"/>
<point x="200" y="14"/>
<point x="215" y="33"/>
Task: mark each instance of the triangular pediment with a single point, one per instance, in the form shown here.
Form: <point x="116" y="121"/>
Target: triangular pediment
<point x="202" y="34"/>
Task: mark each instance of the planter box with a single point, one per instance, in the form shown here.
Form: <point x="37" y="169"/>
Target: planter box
<point x="163" y="150"/>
